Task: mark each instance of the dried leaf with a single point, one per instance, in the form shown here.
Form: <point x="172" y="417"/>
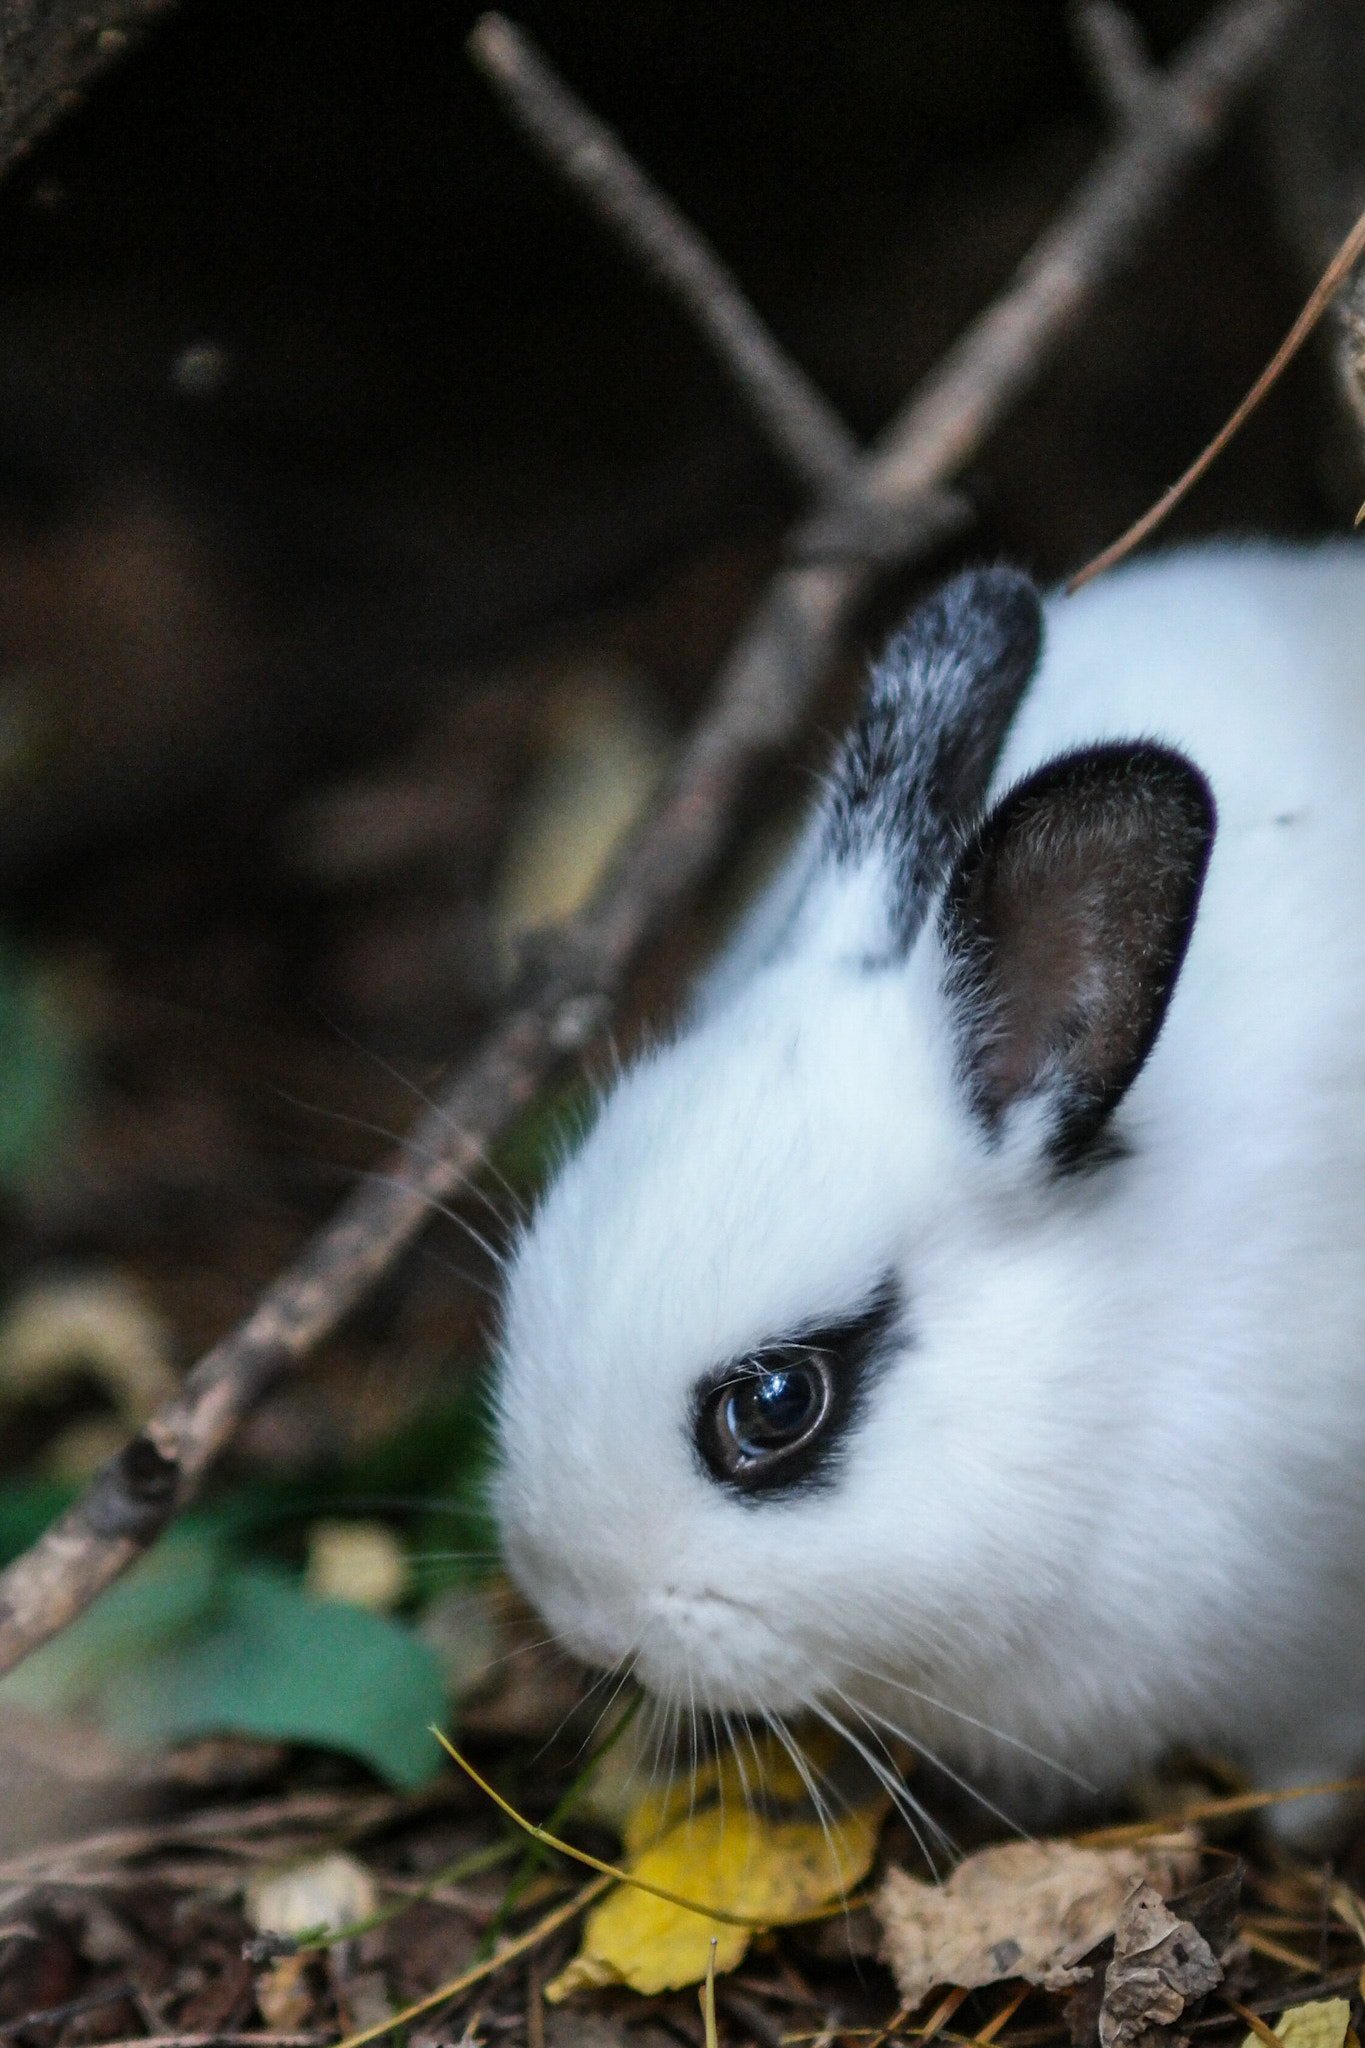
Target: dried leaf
<point x="1160" y="1965"/>
<point x="1321" y="2023"/>
<point x="284" y="1994"/>
<point x="1027" y="1909"/>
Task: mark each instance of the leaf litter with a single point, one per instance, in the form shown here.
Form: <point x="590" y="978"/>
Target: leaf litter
<point x="1029" y="1910"/>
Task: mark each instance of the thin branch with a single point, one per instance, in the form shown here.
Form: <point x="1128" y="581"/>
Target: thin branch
<point x="1321" y="297"/>
<point x="221" y="2041"/>
<point x="987" y="370"/>
<point x="801" y="423"/>
<point x="53" y="2015"/>
<point x="1115" y="56"/>
<point x="760" y="698"/>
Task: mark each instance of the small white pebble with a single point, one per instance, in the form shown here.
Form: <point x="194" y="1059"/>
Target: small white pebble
<point x="362" y="1563"/>
<point x="327" y="1891"/>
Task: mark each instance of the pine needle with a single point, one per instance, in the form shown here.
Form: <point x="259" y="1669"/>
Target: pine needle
<point x="1321" y="297"/>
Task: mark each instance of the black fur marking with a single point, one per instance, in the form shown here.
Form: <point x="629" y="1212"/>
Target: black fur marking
<point x="851" y="1353"/>
<point x="912" y="775"/>
<point x="1065" y="923"/>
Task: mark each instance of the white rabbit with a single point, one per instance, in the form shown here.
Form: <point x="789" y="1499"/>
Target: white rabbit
<point x="942" y="1335"/>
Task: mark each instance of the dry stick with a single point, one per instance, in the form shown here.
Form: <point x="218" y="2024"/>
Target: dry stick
<point x="800" y="420"/>
<point x="801" y="424"/>
<point x="1111" y="43"/>
<point x="759" y="700"/>
<point x="1324" y="291"/>
<point x="219" y="2041"/>
<point x="991" y="365"/>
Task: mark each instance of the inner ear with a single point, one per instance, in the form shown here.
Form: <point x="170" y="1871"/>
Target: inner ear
<point x="1065" y="923"/>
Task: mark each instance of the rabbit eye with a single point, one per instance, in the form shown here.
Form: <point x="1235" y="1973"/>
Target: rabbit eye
<point x="770" y="1408"/>
<point x="772" y="1422"/>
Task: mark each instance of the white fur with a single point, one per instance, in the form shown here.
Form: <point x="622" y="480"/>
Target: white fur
<point x="1109" y="1499"/>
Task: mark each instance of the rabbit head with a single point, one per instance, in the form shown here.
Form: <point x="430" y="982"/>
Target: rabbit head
<point x="792" y="1347"/>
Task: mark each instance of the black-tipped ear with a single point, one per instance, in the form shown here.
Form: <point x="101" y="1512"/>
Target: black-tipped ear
<point x="913" y="773"/>
<point x="1065" y="923"/>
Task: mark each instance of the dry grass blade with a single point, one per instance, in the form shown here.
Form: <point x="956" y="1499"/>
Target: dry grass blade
<point x="942" y="2013"/>
<point x="1349" y="1909"/>
<point x="1212" y="1809"/>
<point x="1267" y="2036"/>
<point x="609" y="1870"/>
<point x="1001" y="2019"/>
<point x="707" y="1998"/>
<point x="1278" y="1951"/>
<point x="508" y="1953"/>
<point x="1325" y="290"/>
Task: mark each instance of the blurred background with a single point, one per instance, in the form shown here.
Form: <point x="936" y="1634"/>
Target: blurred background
<point x="369" y="531"/>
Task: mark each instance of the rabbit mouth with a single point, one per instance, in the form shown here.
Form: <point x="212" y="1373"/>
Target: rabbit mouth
<point x="713" y="1651"/>
<point x="695" y="1646"/>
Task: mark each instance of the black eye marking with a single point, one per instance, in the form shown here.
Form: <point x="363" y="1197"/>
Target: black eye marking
<point x="770" y="1421"/>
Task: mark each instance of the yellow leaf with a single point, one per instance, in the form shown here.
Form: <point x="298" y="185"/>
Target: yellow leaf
<point x="1321" y="2023"/>
<point x="744" y="1860"/>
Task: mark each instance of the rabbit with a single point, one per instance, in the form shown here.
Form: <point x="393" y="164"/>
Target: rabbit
<point x="956" y="1329"/>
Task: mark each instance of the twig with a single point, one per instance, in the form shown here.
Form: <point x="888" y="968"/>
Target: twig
<point x="802" y="424"/>
<point x="1323" y="293"/>
<point x="1001" y="353"/>
<point x="219" y="2041"/>
<point x="564" y="997"/>
<point x="1111" y="43"/>
<point x="1213" y="1809"/>
<point x="52" y="2015"/>
<point x="321" y="1813"/>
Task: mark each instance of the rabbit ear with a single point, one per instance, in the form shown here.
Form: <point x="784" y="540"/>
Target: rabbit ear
<point x="912" y="775"/>
<point x="1065" y="923"/>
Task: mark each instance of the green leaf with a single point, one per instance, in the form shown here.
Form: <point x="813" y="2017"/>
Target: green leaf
<point x="281" y="1666"/>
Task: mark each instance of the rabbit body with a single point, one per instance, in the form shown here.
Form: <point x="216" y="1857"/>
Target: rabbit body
<point x="1094" y="1489"/>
